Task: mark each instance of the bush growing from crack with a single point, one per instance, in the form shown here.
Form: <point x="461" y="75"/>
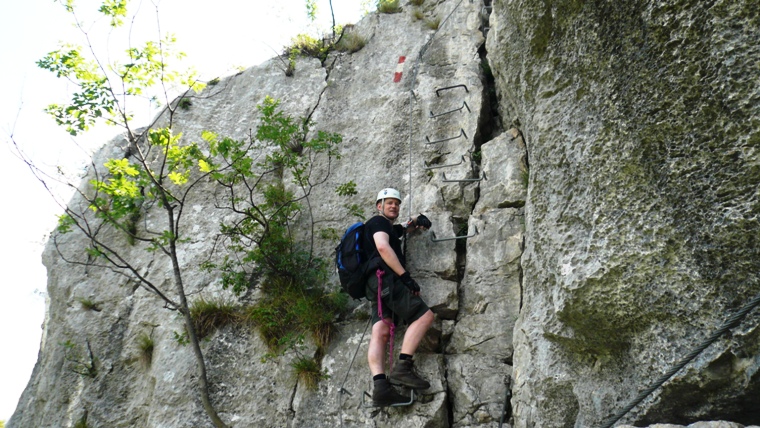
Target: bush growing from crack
<point x="296" y="300"/>
<point x="83" y="365"/>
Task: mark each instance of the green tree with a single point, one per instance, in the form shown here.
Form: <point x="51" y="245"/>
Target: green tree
<point x="156" y="170"/>
<point x="271" y="200"/>
<point x="266" y="181"/>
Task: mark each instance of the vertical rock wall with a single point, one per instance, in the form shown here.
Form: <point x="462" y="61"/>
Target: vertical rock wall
<point x="642" y="125"/>
<point x="433" y="136"/>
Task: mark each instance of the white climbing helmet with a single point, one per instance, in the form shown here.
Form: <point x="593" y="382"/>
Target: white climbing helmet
<point x="388" y="193"/>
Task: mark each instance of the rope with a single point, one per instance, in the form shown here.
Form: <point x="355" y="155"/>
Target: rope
<point x="345" y="378"/>
<point x="730" y="323"/>
<point x="411" y="133"/>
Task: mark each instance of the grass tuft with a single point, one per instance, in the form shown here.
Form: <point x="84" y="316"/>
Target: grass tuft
<point x="146" y="344"/>
<point x="81" y="423"/>
<point x="433" y="23"/>
<point x="417" y="2"/>
<point x="350" y="42"/>
<point x="211" y="315"/>
<point x="307" y="370"/>
<point x="388" y="6"/>
<point x="305" y="45"/>
<point x="88" y="304"/>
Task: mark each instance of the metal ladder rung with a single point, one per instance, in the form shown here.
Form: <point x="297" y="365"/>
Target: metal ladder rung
<point x="428" y="167"/>
<point x="464" y="104"/>
<point x="447" y="139"/>
<point x="439" y="90"/>
<point x="368" y="403"/>
<point x="434" y="239"/>
<point x="464" y="180"/>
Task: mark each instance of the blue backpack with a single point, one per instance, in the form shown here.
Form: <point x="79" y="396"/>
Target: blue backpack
<point x="352" y="261"/>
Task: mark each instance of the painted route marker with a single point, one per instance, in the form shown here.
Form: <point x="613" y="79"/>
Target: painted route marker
<point x="399" y="69"/>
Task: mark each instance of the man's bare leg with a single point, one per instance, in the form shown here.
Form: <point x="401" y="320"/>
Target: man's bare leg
<point x="415" y="332"/>
<point x="383" y="393"/>
<point x="376" y="352"/>
<point x="403" y="373"/>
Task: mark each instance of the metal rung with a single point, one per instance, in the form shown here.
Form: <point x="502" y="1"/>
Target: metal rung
<point x="368" y="403"/>
<point x="464" y="180"/>
<point x="439" y="90"/>
<point x="427" y="167"/>
<point x="434" y="239"/>
<point x="447" y="139"/>
<point x="464" y="104"/>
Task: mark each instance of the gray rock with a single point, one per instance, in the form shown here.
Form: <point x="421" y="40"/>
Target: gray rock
<point x="616" y="228"/>
<point x="355" y="96"/>
<point x="642" y="206"/>
<point x="478" y="386"/>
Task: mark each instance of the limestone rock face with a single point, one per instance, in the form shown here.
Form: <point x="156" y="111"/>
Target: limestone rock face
<point x="591" y="170"/>
<point x="426" y="135"/>
<point x="641" y="122"/>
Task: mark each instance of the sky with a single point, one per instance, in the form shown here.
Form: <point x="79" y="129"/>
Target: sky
<point x="218" y="37"/>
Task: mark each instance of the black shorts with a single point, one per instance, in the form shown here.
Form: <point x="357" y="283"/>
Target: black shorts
<point x="398" y="302"/>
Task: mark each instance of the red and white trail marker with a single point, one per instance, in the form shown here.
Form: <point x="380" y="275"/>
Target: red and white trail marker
<point x="399" y="69"/>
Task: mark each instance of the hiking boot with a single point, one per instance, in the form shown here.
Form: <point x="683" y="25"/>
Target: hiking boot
<point x="403" y="374"/>
<point x="384" y="395"/>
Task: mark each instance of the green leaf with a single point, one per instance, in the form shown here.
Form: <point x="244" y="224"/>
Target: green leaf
<point x="114" y="9"/>
<point x="346" y="189"/>
<point x="65" y="222"/>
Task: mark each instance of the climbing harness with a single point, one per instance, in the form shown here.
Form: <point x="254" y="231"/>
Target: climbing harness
<point x="733" y="321"/>
<point x="415" y="67"/>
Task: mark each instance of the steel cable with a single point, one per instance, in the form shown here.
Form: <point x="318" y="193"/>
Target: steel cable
<point x="342" y="390"/>
<point x="415" y="69"/>
<point x="733" y="321"/>
<point x="413" y="81"/>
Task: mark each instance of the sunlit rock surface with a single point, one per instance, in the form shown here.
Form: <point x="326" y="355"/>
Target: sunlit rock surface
<point x="600" y="171"/>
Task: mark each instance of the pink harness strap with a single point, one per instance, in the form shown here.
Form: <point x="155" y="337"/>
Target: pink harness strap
<point x="390" y="324"/>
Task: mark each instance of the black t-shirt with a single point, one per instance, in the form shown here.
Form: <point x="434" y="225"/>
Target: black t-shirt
<point x="395" y="232"/>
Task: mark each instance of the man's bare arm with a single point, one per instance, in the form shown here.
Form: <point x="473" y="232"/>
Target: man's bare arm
<point x="383" y="244"/>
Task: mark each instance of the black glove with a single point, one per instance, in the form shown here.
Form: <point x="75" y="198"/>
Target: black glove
<point x="423" y="221"/>
<point x="410" y="283"/>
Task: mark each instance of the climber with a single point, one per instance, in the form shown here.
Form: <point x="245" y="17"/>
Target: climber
<point x="400" y="300"/>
